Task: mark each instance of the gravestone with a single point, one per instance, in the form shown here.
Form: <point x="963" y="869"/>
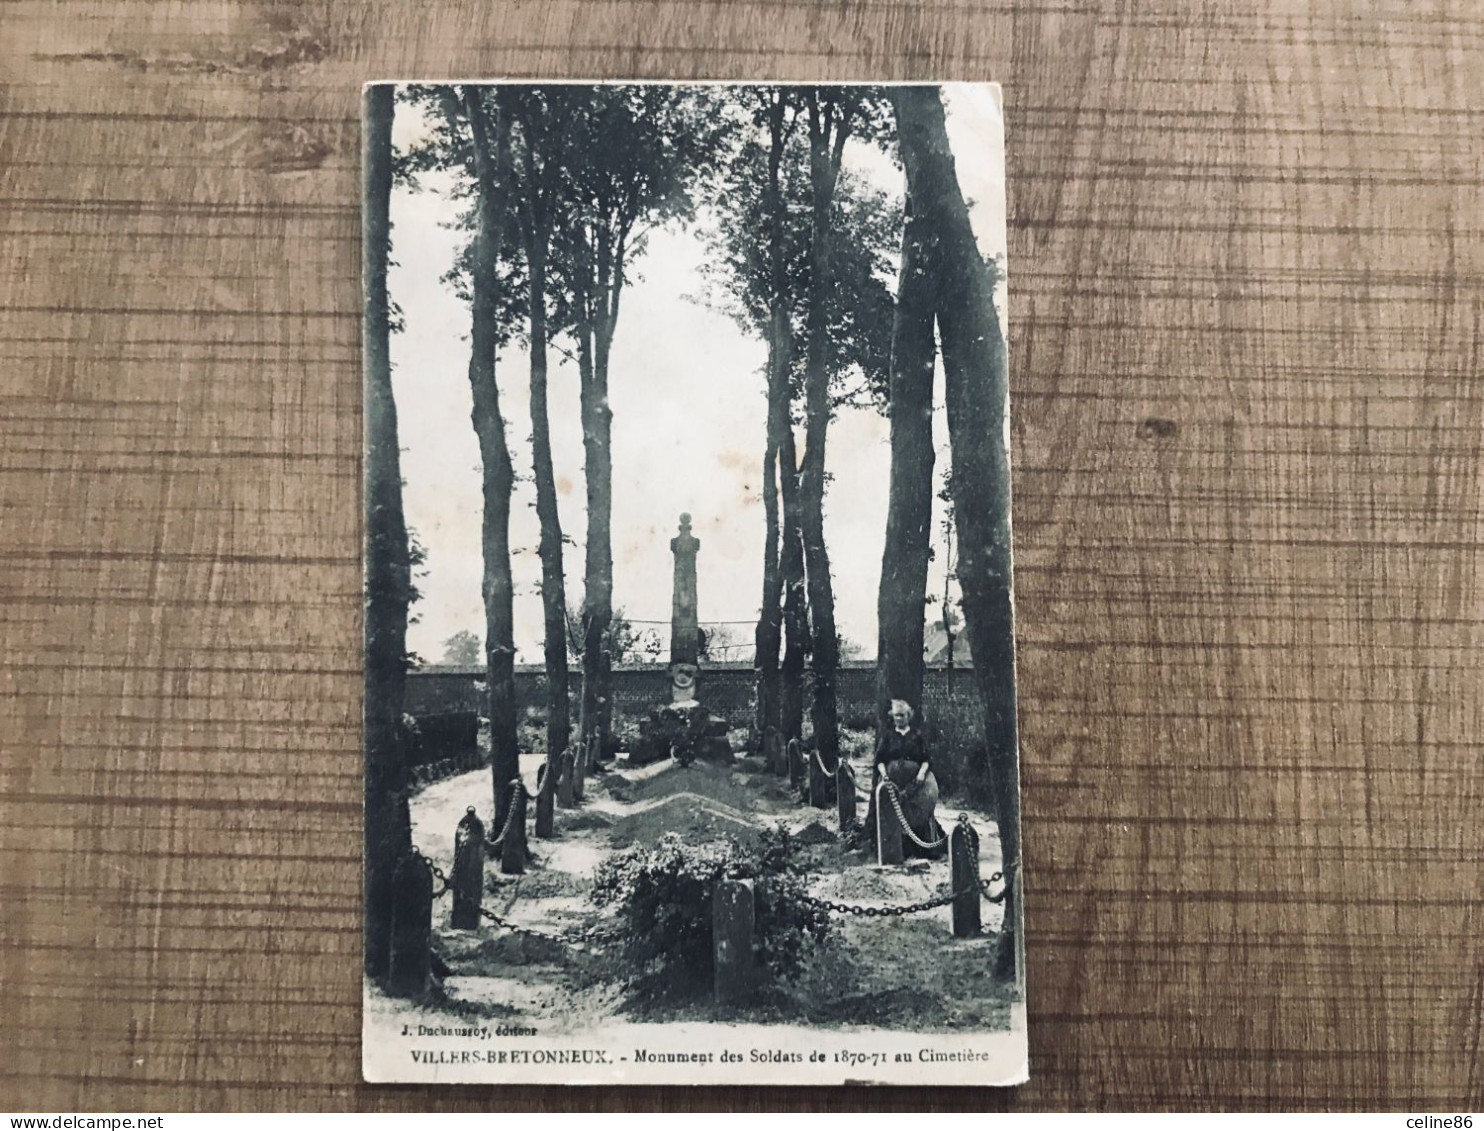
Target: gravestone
<point x="732" y="922"/>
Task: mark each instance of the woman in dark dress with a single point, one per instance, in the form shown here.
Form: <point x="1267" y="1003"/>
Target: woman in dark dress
<point x="902" y="756"/>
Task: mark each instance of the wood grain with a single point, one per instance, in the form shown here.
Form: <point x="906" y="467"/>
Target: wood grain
<point x="1246" y="256"/>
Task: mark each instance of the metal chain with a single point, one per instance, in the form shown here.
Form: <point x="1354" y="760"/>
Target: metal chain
<point x="891" y="792"/>
<point x="825" y="770"/>
<point x="529" y="931"/>
<point x="813" y="901"/>
<point x="437" y="874"/>
<point x="878" y="912"/>
<point x="982" y="885"/>
<point x="905" y="909"/>
<point x="515" y="795"/>
<point x="1013" y="866"/>
<point x="447" y="884"/>
<point x="509" y="926"/>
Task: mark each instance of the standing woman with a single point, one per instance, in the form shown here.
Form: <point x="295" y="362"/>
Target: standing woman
<point x="902" y="756"/>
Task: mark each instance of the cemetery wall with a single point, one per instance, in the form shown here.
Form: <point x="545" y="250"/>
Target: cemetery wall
<point x="727" y="689"/>
<point x="950" y="705"/>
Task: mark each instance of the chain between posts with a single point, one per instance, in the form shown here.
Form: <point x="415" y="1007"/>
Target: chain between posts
<point x="837" y="906"/>
<point x="530" y="932"/>
<point x="907" y="908"/>
<point x="447" y="886"/>
<point x="963" y="819"/>
<point x="509" y="813"/>
<point x="980" y="885"/>
<point x="814" y="901"/>
<point x="438" y="873"/>
<point x="519" y="930"/>
<point x="896" y="804"/>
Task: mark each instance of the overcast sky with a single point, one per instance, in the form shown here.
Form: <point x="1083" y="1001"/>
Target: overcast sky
<point x="686" y="389"/>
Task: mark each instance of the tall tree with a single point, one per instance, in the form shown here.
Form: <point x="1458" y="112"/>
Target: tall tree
<point x="764" y="261"/>
<point x="388" y="569"/>
<point x="833" y="114"/>
<point x="977" y="388"/>
<point x="759" y="268"/>
<point x="902" y="596"/>
<point x="540" y="118"/>
<point x="775" y="724"/>
<point x="488" y="135"/>
<point x="634" y="154"/>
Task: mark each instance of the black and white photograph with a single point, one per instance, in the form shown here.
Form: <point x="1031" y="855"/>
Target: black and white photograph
<point x="690" y="713"/>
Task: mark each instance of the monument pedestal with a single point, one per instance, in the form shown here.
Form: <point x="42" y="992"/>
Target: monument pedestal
<point x="685" y="730"/>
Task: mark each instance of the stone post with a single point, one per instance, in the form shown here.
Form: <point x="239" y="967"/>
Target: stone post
<point x="411" y="966"/>
<point x="845" y="795"/>
<point x="467" y="877"/>
<point x="513" y="847"/>
<point x="963" y="853"/>
<point x="888" y="828"/>
<point x="731" y="928"/>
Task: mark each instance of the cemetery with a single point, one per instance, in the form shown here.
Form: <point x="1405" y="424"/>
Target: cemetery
<point x="871" y="925"/>
<point x="771" y="831"/>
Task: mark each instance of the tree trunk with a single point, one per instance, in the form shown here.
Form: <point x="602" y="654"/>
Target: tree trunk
<point x="768" y="636"/>
<point x="770" y="619"/>
<point x="902" y="598"/>
<point x="597" y="599"/>
<point x="824" y="166"/>
<point x="950" y="636"/>
<point x="795" y="601"/>
<point x="977" y="389"/>
<point x="553" y="583"/>
<point x="498" y="474"/>
<point x="388" y="570"/>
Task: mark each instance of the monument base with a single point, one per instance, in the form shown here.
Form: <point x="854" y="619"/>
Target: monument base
<point x="686" y="731"/>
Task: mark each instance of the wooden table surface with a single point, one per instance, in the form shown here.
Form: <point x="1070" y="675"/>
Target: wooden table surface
<point x="1246" y="261"/>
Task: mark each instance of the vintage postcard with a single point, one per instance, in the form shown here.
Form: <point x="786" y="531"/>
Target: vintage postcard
<point x="690" y="680"/>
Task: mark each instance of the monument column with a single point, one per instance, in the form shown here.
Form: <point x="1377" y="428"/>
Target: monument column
<point x="682" y="729"/>
<point x="685" y="625"/>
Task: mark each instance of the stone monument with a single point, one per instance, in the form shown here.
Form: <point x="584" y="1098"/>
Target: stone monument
<point x="685" y="624"/>
<point x="682" y="728"/>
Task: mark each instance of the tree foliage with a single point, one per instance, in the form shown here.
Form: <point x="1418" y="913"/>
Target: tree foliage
<point x="462" y="648"/>
<point x="626" y="642"/>
<point x="739" y="278"/>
